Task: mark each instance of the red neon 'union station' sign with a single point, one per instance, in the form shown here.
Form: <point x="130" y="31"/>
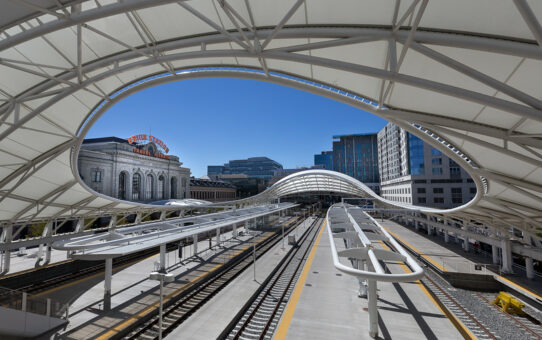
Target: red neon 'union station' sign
<point x="145" y="137"/>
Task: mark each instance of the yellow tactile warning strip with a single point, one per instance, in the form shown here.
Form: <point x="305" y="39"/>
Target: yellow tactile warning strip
<point x="523" y="289"/>
<point x="284" y="324"/>
<point x="155" y="305"/>
<point x="453" y="319"/>
<point x="435" y="263"/>
<point x="34" y="269"/>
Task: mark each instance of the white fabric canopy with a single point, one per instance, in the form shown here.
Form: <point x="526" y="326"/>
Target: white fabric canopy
<point x="463" y="75"/>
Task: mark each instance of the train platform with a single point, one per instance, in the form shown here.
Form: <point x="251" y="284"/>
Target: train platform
<point x="450" y="258"/>
<point x="440" y="257"/>
<point x="325" y="305"/>
<point x="135" y="295"/>
<point x="211" y="319"/>
<point x="22" y="261"/>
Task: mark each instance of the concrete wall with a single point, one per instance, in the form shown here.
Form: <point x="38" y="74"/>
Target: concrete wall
<point x="18" y="324"/>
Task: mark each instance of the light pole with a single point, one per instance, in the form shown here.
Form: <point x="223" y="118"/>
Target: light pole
<point x="162" y="277"/>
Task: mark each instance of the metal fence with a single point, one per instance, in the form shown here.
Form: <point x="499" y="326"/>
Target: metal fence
<point x="22" y="301"/>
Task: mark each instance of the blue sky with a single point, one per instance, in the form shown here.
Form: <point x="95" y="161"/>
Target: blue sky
<point x="210" y="121"/>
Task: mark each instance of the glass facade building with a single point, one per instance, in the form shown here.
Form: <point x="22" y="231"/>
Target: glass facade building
<point x="357" y="156"/>
<point x="325" y="159"/>
<point x="254" y="167"/>
<point x="416" y="155"/>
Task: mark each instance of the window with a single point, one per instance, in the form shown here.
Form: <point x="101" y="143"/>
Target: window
<point x="173" y="187"/>
<point x="437" y="171"/>
<point x="122" y="186"/>
<point x="96" y="176"/>
<point x="436" y="161"/>
<point x="472" y="190"/>
<point x="438" y="199"/>
<point x="435" y="152"/>
<point x="421" y="200"/>
<point x="438" y="190"/>
<point x="161" y="187"/>
<point x="149" y="187"/>
<point x="136" y="187"/>
<point x="421" y="190"/>
<point x="457" y="195"/>
<point x="455" y="171"/>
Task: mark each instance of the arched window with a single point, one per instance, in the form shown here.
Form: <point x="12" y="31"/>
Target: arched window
<point x="149" y="187"/>
<point x="173" y="187"/>
<point x="122" y="186"/>
<point x="136" y="187"/>
<point x="161" y="187"/>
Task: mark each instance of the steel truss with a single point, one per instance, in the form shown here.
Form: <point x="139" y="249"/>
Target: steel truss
<point x="248" y="40"/>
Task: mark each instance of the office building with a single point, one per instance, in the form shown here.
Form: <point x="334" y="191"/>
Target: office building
<point x="324" y="159"/>
<point x="357" y="156"/>
<point x="213" y="191"/>
<point x="254" y="167"/>
<point x="132" y="170"/>
<point x="413" y="172"/>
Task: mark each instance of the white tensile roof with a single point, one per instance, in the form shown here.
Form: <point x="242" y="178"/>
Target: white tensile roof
<point x="461" y="72"/>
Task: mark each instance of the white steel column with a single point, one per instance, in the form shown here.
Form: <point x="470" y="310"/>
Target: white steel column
<point x="495" y="253"/>
<point x="529" y="268"/>
<point x="107" y="283"/>
<point x="163" y="258"/>
<point x="506" y="257"/>
<point x="195" y="244"/>
<point x="234" y="232"/>
<point x="373" y="312"/>
<point x="446" y="236"/>
<point x="6" y="237"/>
<point x="218" y="237"/>
<point x="466" y="244"/>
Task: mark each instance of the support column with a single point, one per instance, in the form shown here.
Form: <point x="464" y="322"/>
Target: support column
<point x="446" y="236"/>
<point x="466" y="244"/>
<point x="416" y="225"/>
<point x="218" y="237"/>
<point x="195" y="244"/>
<point x="506" y="257"/>
<point x="373" y="312"/>
<point x="107" y="283"/>
<point x="529" y="268"/>
<point x="163" y="258"/>
<point x="429" y="230"/>
<point x="234" y="232"/>
<point x="6" y="237"/>
<point x="495" y="253"/>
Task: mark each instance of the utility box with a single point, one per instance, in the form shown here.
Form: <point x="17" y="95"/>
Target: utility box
<point x="291" y="240"/>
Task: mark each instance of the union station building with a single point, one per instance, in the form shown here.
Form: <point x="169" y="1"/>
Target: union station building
<point x="133" y="169"/>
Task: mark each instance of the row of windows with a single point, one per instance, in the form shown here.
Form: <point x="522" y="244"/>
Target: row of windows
<point x="454" y="191"/>
<point x="399" y="199"/>
<point x="212" y="195"/>
<point x="152" y="191"/>
<point x="440" y="200"/>
<point x="396" y="191"/>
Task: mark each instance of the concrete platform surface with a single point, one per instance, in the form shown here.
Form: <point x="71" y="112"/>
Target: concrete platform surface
<point x="211" y="319"/>
<point x="133" y="293"/>
<point x="441" y="257"/>
<point x="451" y="257"/>
<point x="327" y="306"/>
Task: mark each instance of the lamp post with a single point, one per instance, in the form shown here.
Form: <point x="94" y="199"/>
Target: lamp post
<point x="162" y="277"/>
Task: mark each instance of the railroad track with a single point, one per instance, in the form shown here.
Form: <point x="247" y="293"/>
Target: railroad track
<point x="189" y="302"/>
<point x="475" y="311"/>
<point x="260" y="316"/>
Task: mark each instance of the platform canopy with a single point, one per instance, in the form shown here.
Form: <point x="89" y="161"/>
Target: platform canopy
<point x="463" y="75"/>
<point x="323" y="182"/>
